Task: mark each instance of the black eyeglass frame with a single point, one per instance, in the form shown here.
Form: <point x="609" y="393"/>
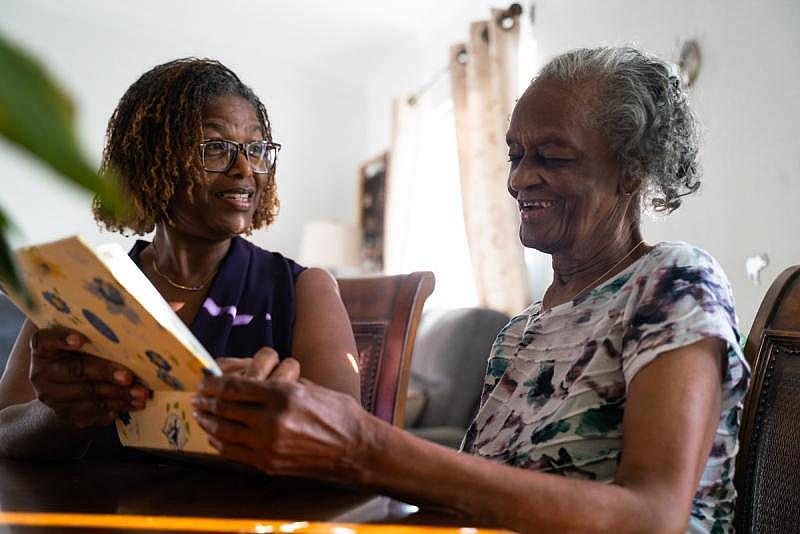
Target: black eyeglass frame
<point x="240" y="147"/>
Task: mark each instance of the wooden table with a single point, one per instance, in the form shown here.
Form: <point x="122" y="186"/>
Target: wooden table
<point x="174" y="497"/>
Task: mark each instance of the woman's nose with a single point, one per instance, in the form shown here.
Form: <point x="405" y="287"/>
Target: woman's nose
<point x="241" y="165"/>
<point x="522" y="176"/>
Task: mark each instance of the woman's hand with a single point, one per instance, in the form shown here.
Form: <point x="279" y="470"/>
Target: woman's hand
<point x="285" y="427"/>
<point x="264" y="364"/>
<point x="84" y="390"/>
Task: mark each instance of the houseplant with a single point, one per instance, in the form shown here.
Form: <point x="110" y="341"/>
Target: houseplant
<point x="37" y="117"/>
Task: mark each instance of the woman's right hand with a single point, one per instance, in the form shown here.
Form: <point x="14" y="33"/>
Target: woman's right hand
<point x="84" y="390"/>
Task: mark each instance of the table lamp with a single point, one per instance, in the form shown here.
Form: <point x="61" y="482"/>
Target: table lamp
<point x="332" y="245"/>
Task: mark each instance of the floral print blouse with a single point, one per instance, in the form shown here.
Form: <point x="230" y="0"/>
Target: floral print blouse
<point x="556" y="381"/>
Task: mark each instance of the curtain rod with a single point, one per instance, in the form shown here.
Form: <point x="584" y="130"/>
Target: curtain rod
<point x="506" y="20"/>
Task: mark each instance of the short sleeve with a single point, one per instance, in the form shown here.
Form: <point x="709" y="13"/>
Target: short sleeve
<point x="682" y="296"/>
<point x="294" y="268"/>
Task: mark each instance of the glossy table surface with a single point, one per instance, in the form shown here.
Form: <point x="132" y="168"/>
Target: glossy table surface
<point x="168" y="496"/>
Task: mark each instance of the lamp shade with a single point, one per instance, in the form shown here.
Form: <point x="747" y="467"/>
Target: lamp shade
<point x="329" y="244"/>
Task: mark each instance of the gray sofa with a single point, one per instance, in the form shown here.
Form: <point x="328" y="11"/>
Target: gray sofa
<point x="10" y="322"/>
<point x="447" y="371"/>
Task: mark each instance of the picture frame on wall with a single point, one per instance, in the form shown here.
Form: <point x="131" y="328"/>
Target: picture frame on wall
<point x="372" y="211"/>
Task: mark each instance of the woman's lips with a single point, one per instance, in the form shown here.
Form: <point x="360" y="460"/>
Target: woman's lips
<point x="237" y="199"/>
<point x="534" y="209"/>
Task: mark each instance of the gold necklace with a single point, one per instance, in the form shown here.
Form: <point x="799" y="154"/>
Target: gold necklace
<point x="175" y="284"/>
<point x="602" y="276"/>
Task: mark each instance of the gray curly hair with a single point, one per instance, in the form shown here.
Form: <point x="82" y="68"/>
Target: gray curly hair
<point x="644" y="115"/>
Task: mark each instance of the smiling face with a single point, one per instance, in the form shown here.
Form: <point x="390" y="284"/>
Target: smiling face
<point x="225" y="203"/>
<point x="565" y="180"/>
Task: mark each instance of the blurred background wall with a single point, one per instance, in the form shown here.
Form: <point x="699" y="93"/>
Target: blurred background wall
<point x="328" y="72"/>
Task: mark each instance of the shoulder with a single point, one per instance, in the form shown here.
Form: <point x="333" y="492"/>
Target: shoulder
<point x="254" y="250"/>
<point x="669" y="254"/>
<point x="674" y="266"/>
<point x="314" y="279"/>
<point x="317" y="294"/>
<point x="267" y="260"/>
<point x="510" y="334"/>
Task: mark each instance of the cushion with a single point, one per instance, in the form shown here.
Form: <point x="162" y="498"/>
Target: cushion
<point x="449" y="363"/>
<point x="415" y="403"/>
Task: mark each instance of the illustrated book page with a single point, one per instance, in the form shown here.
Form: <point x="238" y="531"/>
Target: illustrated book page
<point x="102" y="294"/>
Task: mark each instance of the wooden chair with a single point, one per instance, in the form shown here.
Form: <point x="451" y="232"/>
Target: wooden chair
<point x="768" y="464"/>
<point x="385" y="312"/>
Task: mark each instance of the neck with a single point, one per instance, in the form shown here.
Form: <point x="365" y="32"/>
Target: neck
<point x="582" y="264"/>
<point x="186" y="259"/>
<point x="575" y="272"/>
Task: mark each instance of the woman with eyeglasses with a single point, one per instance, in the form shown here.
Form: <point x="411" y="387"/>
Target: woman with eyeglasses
<point x="193" y="150"/>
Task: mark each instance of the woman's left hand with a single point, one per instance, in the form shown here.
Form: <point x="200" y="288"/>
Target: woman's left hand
<point x="282" y="427"/>
<point x="264" y="364"/>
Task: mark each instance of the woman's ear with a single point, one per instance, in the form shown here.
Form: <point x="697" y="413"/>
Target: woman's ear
<point x="629" y="185"/>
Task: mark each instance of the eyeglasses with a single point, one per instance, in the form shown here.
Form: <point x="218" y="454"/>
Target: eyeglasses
<point x="219" y="155"/>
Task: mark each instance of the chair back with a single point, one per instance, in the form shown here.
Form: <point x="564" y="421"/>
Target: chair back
<point x="768" y="463"/>
<point x="384" y="312"/>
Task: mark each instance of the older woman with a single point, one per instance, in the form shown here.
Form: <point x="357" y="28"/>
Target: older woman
<point x="613" y="404"/>
<point x="193" y="148"/>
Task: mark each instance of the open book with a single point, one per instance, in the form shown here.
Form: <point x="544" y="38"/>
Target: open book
<point x="102" y="294"/>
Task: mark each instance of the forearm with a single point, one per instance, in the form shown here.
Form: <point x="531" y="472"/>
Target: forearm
<point x="33" y="430"/>
<point x="493" y="494"/>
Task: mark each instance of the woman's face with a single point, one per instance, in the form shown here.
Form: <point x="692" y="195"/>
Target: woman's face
<point x="225" y="203"/>
<point x="563" y="176"/>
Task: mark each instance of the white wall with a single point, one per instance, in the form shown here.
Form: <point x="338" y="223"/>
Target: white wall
<point x="95" y="56"/>
<point x="746" y="97"/>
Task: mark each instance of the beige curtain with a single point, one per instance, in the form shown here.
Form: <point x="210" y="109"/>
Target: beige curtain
<point x="401" y="173"/>
<point x="484" y="84"/>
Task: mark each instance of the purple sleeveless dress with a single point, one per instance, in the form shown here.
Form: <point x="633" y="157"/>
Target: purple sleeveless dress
<point x="250" y="304"/>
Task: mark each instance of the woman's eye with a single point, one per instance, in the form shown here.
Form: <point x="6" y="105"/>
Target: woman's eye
<point x="514" y="158"/>
<point x="215" y="146"/>
<point x="552" y="160"/>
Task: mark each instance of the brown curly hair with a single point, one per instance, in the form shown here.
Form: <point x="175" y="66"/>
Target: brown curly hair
<point x="151" y="142"/>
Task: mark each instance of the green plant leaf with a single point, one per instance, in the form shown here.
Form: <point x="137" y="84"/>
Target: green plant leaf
<point x="37" y="117"/>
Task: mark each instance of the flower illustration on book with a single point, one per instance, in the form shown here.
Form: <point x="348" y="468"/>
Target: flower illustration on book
<point x="43" y="268"/>
<point x="169" y="380"/>
<point x="130" y="429"/>
<point x="175" y="431"/>
<point x="157" y="360"/>
<point x="109" y="293"/>
<point x="55" y="301"/>
<point x="100" y="326"/>
<point x="163" y="370"/>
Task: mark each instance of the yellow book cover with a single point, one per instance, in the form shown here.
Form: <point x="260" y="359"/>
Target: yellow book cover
<point x="101" y="293"/>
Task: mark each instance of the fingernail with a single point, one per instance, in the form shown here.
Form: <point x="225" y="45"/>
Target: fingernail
<point x="137" y="404"/>
<point x="73" y="340"/>
<point x="139" y="393"/>
<point x="121" y="376"/>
